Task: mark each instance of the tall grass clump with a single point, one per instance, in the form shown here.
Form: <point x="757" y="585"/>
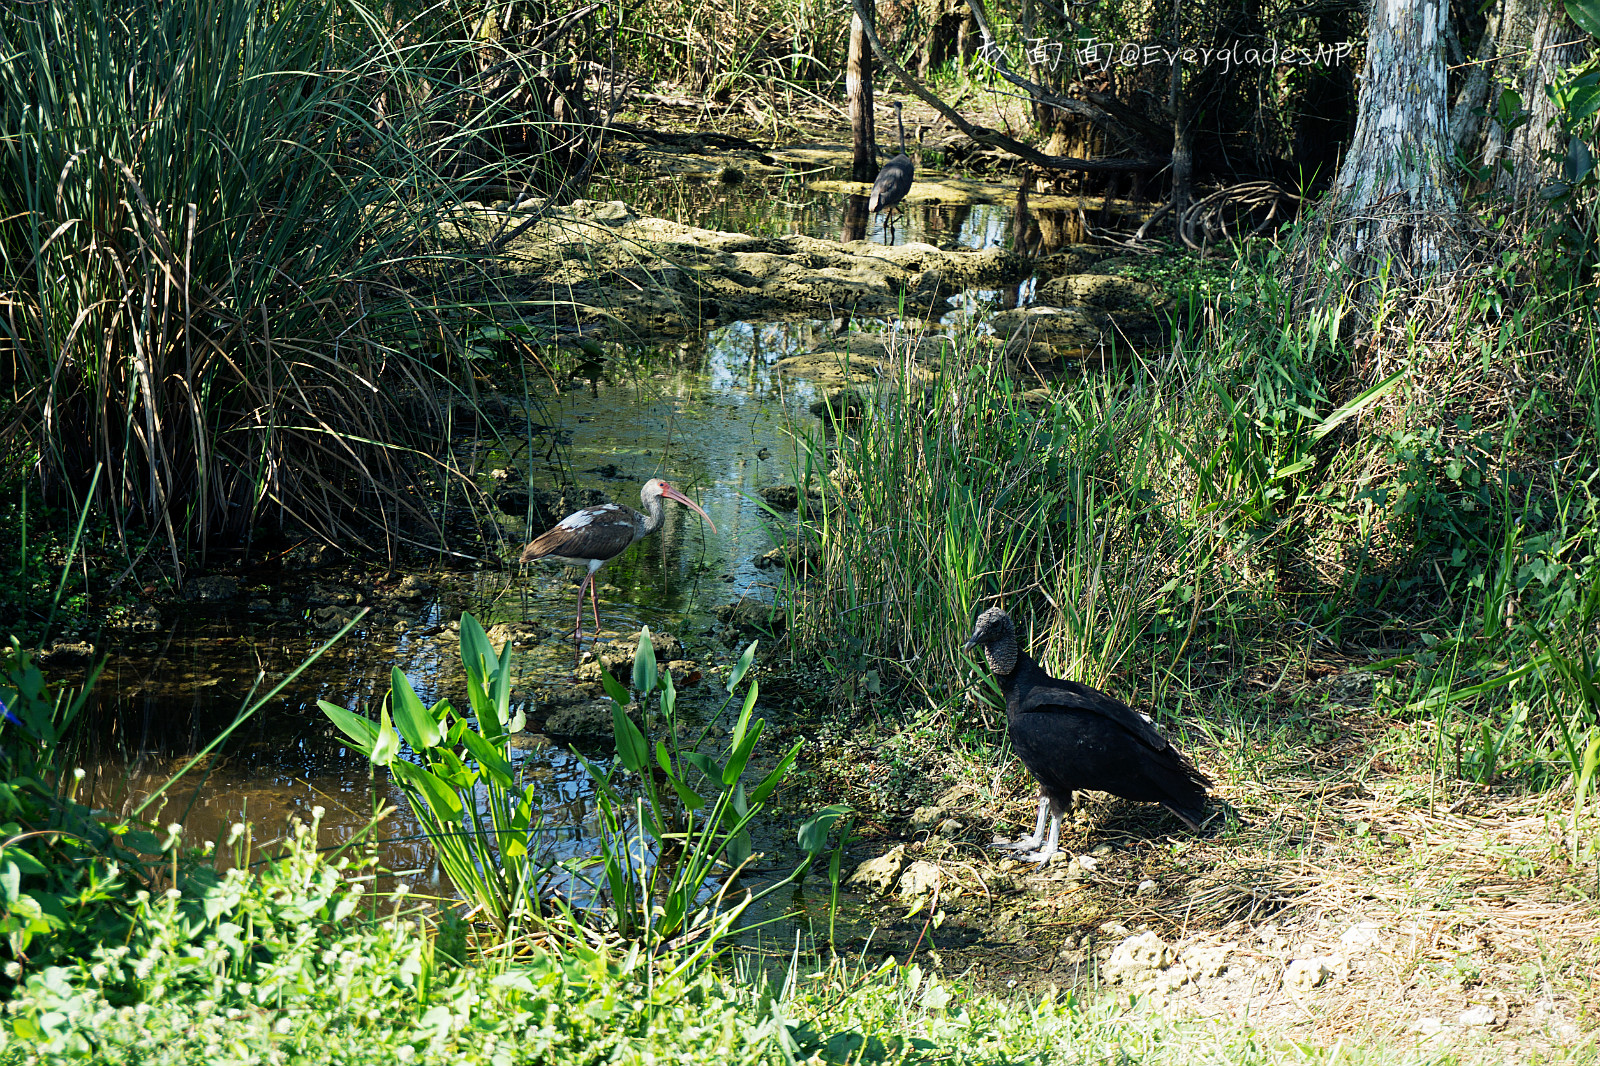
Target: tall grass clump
<point x="224" y="275"/>
<point x="955" y="488"/>
<point x="1278" y="485"/>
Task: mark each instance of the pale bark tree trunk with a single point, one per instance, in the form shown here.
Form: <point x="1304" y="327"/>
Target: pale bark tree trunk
<point x="1392" y="202"/>
<point x="1554" y="44"/>
<point x="858" y="86"/>
<point x="1182" y="140"/>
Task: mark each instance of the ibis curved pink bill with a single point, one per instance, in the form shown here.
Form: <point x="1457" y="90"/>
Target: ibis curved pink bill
<point x="594" y="536"/>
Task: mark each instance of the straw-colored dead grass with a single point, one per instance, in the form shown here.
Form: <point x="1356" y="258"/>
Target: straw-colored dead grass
<point x="1350" y="905"/>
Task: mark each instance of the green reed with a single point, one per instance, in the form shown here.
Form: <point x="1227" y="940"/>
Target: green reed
<point x="210" y="218"/>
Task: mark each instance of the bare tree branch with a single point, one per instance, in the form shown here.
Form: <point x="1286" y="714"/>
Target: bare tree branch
<point x="994" y="138"/>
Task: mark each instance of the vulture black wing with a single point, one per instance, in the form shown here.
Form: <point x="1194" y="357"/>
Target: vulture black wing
<point x="1046" y="694"/>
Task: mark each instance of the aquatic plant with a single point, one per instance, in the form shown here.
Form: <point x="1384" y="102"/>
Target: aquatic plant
<point x="484" y="826"/>
<point x="658" y="850"/>
<point x="673" y="878"/>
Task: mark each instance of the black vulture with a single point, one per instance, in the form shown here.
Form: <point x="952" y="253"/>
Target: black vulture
<point x="1073" y="737"/>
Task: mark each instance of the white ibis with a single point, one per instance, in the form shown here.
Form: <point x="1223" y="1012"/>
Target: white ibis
<point x="1072" y="737"/>
<point x="594" y="536"/>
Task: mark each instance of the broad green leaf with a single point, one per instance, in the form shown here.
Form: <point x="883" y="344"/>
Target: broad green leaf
<point x="741" y="754"/>
<point x="614" y="687"/>
<point x="779" y="772"/>
<point x="631" y="746"/>
<point x="1586" y="13"/>
<point x="669" y="695"/>
<point x="742" y="666"/>
<point x="813" y="835"/>
<point x="644" y="664"/>
<point x="411" y="718"/>
<point x="363" y="733"/>
<point x="387" y="746"/>
<point x="739" y="848"/>
<point x="704" y="763"/>
<point x="489" y="757"/>
<point x="744" y="714"/>
<point x="691" y="800"/>
<point x="440" y="797"/>
<point x="25" y="862"/>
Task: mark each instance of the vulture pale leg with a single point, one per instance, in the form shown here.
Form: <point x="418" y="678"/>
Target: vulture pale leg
<point x="1029" y="843"/>
<point x="1051" y="846"/>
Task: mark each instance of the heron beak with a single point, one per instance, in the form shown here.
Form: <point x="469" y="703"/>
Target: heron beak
<point x="673" y="494"/>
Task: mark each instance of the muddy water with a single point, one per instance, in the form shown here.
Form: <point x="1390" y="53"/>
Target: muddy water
<point x="781" y="207"/>
<point x="708" y="413"/>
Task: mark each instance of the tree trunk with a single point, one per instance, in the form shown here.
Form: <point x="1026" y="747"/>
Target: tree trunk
<point x="858" y="84"/>
<point x="1391" y="203"/>
<point x="1553" y="45"/>
<point x="1182" y="141"/>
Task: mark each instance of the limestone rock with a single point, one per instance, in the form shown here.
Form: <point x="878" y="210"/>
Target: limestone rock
<point x="411" y="587"/>
<point x="211" y="589"/>
<point x="67" y="654"/>
<point x="877" y="875"/>
<point x="514" y="633"/>
<point x="1302" y="975"/>
<point x="591" y="719"/>
<point x="918" y="879"/>
<point x="1138" y="958"/>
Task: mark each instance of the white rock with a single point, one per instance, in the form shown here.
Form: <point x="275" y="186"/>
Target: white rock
<point x="1360" y="936"/>
<point x="1303" y="975"/>
<point x="880" y="873"/>
<point x="1479" y="1015"/>
<point x="1138" y="957"/>
<point x="919" y="879"/>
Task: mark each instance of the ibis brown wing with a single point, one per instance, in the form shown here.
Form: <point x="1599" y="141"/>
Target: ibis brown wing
<point x="604" y="536"/>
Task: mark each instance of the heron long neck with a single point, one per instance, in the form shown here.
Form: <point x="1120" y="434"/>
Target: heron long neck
<point x="1002" y="656"/>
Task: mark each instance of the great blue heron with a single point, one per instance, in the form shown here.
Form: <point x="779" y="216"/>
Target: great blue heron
<point x="894" y="180"/>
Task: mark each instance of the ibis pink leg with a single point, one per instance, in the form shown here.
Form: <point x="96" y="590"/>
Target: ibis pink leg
<point x="577" y="623"/>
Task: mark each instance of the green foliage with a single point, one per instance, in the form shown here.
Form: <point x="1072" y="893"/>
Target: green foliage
<point x="65" y="877"/>
<point x="296" y="960"/>
<point x="690" y="839"/>
<point x="204" y="210"/>
<point x="484" y="826"/>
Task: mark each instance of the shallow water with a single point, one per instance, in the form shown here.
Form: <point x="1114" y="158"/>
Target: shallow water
<point x="709" y="413"/>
